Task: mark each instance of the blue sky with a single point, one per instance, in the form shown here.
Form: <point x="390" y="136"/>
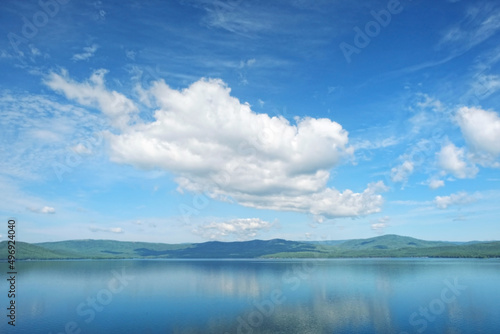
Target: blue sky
<point x="196" y="120"/>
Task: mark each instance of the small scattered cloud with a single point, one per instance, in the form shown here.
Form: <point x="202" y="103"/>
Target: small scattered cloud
<point x="81" y="149"/>
<point x="429" y="113"/>
<point x="375" y="144"/>
<point x="402" y="172"/>
<point x="242" y="229"/>
<point x="87" y="53"/>
<point x="460" y="198"/>
<point x="44" y="135"/>
<point x="435" y="183"/>
<point x="380" y="225"/>
<point x="115" y="230"/>
<point x="316" y="220"/>
<point x="43" y="210"/>
<point x="430" y="103"/>
<point x="247" y="63"/>
<point x="34" y="51"/>
<point x="130" y="54"/>
<point x="453" y="160"/>
<point x="4" y="54"/>
<point x="484" y="85"/>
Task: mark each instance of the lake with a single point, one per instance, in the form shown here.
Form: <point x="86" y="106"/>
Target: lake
<point x="257" y="296"/>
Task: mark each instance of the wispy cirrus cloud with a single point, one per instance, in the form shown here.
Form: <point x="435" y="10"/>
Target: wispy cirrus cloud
<point x="13" y="199"/>
<point x="484" y="85"/>
<point x="481" y="21"/>
<point x="236" y="16"/>
<point x="115" y="230"/>
<point x="40" y="132"/>
<point x="87" y="53"/>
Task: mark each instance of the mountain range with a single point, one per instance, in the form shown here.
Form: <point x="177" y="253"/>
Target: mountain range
<point x="382" y="246"/>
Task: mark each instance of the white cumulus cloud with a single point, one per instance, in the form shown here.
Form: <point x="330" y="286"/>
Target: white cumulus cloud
<point x="242" y="228"/>
<point x="460" y="198"/>
<point x="213" y="143"/>
<point x="380" y="225"/>
<point x="402" y="172"/>
<point x="93" y="93"/>
<point x="481" y="129"/>
<point x="434" y="183"/>
<point x="453" y="160"/>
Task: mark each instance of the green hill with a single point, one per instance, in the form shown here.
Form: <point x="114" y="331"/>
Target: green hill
<point x="31" y="251"/>
<point x="242" y="249"/>
<point x="399" y="246"/>
<point x="389" y="241"/>
<point x="99" y="249"/>
<point x="383" y="246"/>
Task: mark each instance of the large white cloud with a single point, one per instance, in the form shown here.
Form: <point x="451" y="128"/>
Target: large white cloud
<point x="481" y="129"/>
<point x="214" y="143"/>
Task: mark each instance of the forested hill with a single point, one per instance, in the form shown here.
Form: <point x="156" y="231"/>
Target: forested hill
<point x="383" y="246"/>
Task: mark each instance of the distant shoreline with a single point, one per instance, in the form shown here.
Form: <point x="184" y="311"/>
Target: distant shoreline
<point x="387" y="246"/>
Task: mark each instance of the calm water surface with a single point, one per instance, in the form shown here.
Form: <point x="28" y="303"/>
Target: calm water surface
<point x="257" y="296"/>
